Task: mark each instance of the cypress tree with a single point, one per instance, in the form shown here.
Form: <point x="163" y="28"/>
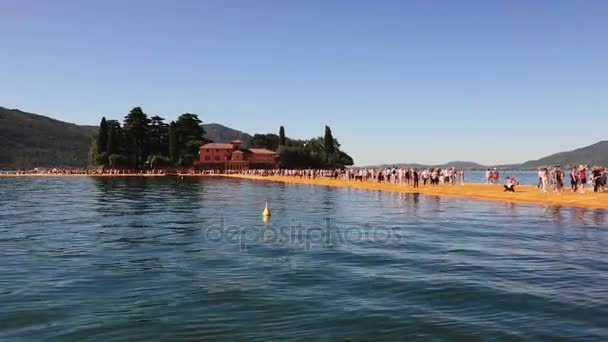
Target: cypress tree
<point x="328" y="141"/>
<point x="111" y="147"/>
<point x="102" y="136"/>
<point x="281" y="136"/>
<point x="115" y="140"/>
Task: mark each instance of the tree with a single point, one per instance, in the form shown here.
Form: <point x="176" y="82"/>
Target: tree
<point x="295" y="142"/>
<point x="98" y="145"/>
<point x="189" y="133"/>
<point x="294" y="157"/>
<point x="344" y="159"/>
<point x="115" y="141"/>
<point x="158" y="136"/>
<point x="156" y="161"/>
<point x="269" y="141"/>
<point x="136" y="131"/>
<point x="312" y="154"/>
<point x="117" y="161"/>
<point x="281" y="136"/>
<point x="173" y="149"/>
<point x="329" y="141"/>
<point x="102" y="136"/>
<point x="93" y="155"/>
<point x="142" y="140"/>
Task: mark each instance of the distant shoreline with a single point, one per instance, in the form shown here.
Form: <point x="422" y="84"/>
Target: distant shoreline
<point x="86" y="175"/>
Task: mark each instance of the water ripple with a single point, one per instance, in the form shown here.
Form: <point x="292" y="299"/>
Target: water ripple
<point x="148" y="259"/>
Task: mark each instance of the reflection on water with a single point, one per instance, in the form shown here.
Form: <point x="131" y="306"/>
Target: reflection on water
<point x="168" y="258"/>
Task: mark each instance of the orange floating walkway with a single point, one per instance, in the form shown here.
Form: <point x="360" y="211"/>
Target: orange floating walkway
<point x="523" y="194"/>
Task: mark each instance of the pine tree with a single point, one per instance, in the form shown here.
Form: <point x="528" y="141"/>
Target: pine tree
<point x="173" y="153"/>
<point x="136" y="131"/>
<point x="189" y="133"/>
<point x="114" y="144"/>
<point x="158" y="136"/>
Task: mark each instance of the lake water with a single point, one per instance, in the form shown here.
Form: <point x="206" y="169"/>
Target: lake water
<point x="527" y="177"/>
<point x="105" y="259"/>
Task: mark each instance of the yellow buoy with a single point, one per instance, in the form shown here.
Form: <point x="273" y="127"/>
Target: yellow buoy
<point x="266" y="212"/>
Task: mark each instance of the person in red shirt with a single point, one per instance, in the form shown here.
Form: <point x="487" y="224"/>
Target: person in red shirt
<point x="582" y="176"/>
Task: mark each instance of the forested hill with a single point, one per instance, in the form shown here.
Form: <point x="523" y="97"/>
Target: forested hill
<point x="219" y="133"/>
<point x="29" y="140"/>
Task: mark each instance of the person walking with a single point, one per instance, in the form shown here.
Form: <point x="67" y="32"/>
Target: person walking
<point x="582" y="175"/>
<point x="574" y="179"/>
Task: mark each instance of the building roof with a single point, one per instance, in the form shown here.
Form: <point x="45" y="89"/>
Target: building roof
<point x="237" y="141"/>
<point x="218" y="146"/>
<point x="239" y="152"/>
<point x="261" y="151"/>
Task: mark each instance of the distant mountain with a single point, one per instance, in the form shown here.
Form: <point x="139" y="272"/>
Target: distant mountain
<point x="29" y="140"/>
<point x="596" y="154"/>
<point x="222" y="134"/>
<point x="463" y="165"/>
<point x="456" y="164"/>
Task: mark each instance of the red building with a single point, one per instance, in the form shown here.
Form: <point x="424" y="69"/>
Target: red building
<point x="221" y="156"/>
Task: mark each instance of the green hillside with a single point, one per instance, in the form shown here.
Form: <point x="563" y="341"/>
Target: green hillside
<point x="596" y="154"/>
<point x="222" y="134"/>
<point x="29" y="140"/>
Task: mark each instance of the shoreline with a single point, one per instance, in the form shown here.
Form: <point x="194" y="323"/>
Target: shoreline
<point x="526" y="194"/>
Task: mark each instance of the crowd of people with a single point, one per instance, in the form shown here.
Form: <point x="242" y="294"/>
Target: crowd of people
<point x="553" y="179"/>
<point x="493" y="176"/>
<point x="394" y="175"/>
<point x="83" y="171"/>
<point x="109" y="172"/>
<point x="549" y="178"/>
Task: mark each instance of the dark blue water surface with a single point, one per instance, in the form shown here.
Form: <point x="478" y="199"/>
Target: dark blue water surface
<point x="104" y="259"/>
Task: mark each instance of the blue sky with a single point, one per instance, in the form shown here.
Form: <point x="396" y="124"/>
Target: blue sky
<point x="419" y="81"/>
